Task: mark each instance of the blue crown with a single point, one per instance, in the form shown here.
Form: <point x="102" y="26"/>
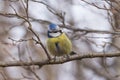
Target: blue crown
<point x="52" y="26"/>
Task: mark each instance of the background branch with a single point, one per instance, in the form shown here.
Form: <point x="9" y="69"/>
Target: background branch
<point x="92" y="26"/>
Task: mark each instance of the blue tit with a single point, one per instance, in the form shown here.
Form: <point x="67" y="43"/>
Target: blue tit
<point x="58" y="43"/>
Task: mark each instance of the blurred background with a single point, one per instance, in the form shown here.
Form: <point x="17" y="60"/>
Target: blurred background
<point x="16" y="43"/>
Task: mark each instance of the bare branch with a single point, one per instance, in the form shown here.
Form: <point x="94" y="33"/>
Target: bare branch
<point x="35" y="74"/>
<point x="92" y="4"/>
<point x="90" y="31"/>
<point x="29" y="27"/>
<point x="60" y="60"/>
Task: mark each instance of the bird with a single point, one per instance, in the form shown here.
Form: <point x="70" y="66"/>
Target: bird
<point x="58" y="43"/>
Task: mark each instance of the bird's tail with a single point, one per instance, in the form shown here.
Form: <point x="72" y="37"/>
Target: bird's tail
<point x="72" y="53"/>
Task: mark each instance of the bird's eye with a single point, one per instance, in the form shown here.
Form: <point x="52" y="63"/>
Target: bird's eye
<point x="60" y="31"/>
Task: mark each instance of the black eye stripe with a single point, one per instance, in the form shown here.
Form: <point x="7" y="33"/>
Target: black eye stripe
<point x="55" y="31"/>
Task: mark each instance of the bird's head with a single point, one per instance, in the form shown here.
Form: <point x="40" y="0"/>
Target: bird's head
<point x="54" y="30"/>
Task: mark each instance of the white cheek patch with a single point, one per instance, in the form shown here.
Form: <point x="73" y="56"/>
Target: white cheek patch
<point x="55" y="34"/>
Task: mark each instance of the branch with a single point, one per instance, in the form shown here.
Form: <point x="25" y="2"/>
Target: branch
<point x="93" y="4"/>
<point x="76" y="29"/>
<point x="60" y="15"/>
<point x="90" y="30"/>
<point x="10" y="15"/>
<point x="59" y="60"/>
<point x="29" y="27"/>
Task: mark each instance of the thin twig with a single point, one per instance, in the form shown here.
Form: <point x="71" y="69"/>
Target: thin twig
<point x="34" y="73"/>
<point x="30" y="28"/>
<point x="90" y="30"/>
<point x="92" y="4"/>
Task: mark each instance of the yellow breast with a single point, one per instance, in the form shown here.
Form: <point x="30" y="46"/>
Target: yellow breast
<point x="63" y="46"/>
